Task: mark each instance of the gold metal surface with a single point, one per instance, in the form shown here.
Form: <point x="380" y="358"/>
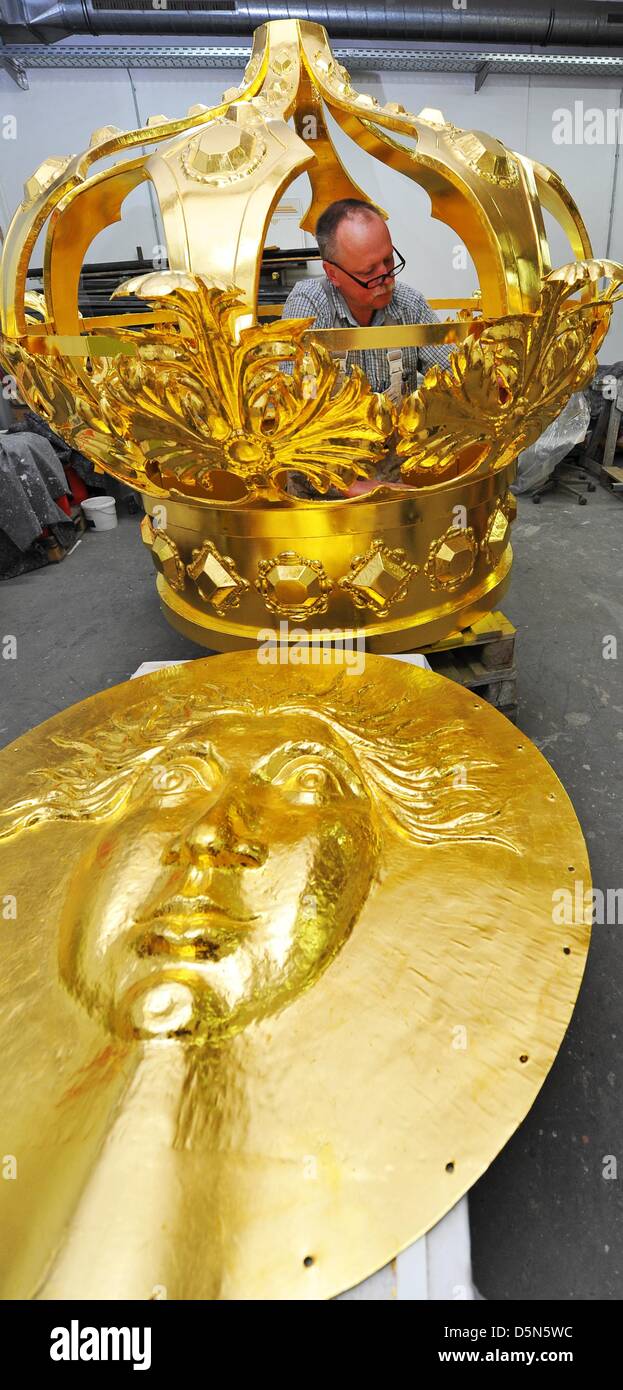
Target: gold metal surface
<point x="187" y="400"/>
<point x="286" y="979"/>
<point x="451" y="559"/>
<point x="380" y="578"/>
<point x="508" y="382"/>
<point x="393" y="335"/>
<point x="331" y="540"/>
<point x="216" y="577"/>
<point x="293" y="586"/>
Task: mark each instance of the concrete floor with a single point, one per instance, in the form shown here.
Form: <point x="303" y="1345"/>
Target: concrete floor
<point x="545" y="1223"/>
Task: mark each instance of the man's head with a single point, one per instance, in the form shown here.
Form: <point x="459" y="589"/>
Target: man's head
<point x="354" y="240"/>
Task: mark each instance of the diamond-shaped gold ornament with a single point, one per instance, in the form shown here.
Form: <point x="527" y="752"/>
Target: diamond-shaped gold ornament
<point x="164" y="553"/>
<point x="47" y="172"/>
<point x="496" y="535"/>
<point x="216" y="577"/>
<point x="451" y="559"/>
<point x="380" y="578"/>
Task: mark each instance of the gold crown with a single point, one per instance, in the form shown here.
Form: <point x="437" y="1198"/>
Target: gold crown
<point x="188" y="401"/>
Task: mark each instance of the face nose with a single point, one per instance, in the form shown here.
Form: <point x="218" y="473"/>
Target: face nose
<point x="219" y="838"/>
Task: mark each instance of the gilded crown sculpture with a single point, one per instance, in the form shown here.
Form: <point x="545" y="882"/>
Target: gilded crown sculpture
<point x="189" y="402"/>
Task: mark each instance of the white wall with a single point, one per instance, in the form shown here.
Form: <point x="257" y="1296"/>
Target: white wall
<point x="63" y="106"/>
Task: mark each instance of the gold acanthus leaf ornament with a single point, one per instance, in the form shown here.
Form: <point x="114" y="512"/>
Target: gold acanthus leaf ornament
<point x="200" y="407"/>
<point x="507" y="382"/>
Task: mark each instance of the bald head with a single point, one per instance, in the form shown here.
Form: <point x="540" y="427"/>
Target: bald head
<point x="355" y="245"/>
<point x="335" y="216"/>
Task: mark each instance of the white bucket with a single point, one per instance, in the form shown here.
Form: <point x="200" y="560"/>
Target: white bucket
<point x="101" y="511"/>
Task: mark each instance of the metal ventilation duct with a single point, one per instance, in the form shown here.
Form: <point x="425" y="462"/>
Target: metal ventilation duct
<point x="567" y="24"/>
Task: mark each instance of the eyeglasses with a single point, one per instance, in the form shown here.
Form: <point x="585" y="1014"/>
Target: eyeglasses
<point x="376" y="279"/>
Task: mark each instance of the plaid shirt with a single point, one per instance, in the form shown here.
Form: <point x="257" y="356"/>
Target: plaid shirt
<point x="318" y="299"/>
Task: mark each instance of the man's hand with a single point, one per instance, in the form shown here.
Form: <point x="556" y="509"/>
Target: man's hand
<point x="362" y="485"/>
<point x="368" y="484"/>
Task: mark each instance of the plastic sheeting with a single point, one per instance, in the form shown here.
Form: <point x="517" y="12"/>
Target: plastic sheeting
<point x="31" y="477"/>
<point x="536" y="464"/>
<point x="31" y="423"/>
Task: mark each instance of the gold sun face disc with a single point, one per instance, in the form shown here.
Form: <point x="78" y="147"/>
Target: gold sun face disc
<point x="287" y="954"/>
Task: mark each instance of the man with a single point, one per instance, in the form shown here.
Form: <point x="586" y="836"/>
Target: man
<point x="358" y="289"/>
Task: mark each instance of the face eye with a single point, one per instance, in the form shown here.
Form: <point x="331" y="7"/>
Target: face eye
<point x="307" y="772"/>
<point x="312" y="779"/>
<point x="172" y="781"/>
<point x="308" y="783"/>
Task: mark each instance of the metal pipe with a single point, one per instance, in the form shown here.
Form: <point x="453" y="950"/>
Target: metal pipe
<point x="571" y="23"/>
<point x="613" y="196"/>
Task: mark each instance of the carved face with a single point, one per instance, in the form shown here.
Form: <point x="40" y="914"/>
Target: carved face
<point x="228" y="883"/>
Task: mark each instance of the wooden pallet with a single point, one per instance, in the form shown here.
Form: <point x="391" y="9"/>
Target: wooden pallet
<point x="481" y="658"/>
<point x="612" y="477"/>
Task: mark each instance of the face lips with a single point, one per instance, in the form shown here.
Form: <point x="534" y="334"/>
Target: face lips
<point x="196" y="928"/>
